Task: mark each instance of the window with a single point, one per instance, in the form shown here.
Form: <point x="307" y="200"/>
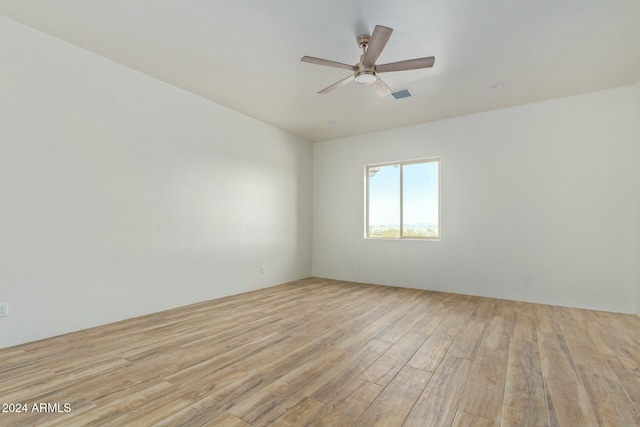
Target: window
<point x="403" y="200"/>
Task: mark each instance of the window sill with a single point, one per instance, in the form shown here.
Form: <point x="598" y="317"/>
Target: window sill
<point x="428" y="239"/>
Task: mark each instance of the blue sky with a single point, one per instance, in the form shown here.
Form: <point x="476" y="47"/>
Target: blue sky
<point x="420" y="194"/>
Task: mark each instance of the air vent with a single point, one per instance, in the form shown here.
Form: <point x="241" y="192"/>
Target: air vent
<point x="404" y="93"/>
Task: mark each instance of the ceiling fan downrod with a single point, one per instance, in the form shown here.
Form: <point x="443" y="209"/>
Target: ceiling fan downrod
<point x="364" y="75"/>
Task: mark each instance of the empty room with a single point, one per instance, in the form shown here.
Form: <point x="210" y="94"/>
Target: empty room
<point x="329" y="213"/>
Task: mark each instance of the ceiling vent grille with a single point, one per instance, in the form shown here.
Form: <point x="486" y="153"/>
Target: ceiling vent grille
<point x="404" y="93"/>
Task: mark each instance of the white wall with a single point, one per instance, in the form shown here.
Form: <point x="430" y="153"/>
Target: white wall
<point x="121" y="195"/>
<point x="638" y="181"/>
<point x="547" y="190"/>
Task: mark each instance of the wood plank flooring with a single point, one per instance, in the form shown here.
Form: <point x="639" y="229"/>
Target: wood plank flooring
<point x="331" y="353"/>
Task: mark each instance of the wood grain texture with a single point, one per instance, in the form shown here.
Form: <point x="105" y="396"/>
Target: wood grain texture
<point x="323" y="352"/>
<point x="392" y="406"/>
<point x="438" y="403"/>
<point x="608" y="396"/>
<point x="464" y="419"/>
<point x="430" y="354"/>
<point x="525" y="402"/>
<point x="348" y="404"/>
<point x="301" y="413"/>
<point x="387" y="366"/>
<point x="484" y="393"/>
<point x="570" y="402"/>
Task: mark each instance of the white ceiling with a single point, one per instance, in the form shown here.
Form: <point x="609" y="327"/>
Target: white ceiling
<point x="246" y="54"/>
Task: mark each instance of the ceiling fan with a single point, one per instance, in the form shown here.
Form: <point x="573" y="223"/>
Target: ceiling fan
<point x="366" y="71"/>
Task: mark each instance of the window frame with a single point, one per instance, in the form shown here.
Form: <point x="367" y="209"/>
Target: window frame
<point x="401" y="164"/>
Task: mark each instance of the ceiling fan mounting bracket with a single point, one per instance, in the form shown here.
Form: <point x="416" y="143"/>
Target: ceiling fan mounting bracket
<point x="363" y="40"/>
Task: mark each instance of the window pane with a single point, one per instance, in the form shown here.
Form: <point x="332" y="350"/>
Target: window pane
<point x="384" y="201"/>
<point x="420" y="200"/>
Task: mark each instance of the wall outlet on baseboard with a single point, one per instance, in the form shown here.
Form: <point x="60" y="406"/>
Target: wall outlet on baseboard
<point x="528" y="280"/>
<point x="4" y="309"/>
<point x="262" y="269"/>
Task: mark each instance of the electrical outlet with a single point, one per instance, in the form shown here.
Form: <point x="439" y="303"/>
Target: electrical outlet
<point x="4" y="309"/>
<point x="528" y="280"/>
<point x="262" y="269"/>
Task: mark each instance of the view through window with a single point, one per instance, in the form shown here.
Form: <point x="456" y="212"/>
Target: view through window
<point x="403" y="200"/>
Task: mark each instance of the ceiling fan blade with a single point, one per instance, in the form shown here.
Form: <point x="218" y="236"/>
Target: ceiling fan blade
<point x="377" y="42"/>
<point x="326" y="62"/>
<point x="339" y="84"/>
<point x="381" y="87"/>
<point x="409" y="64"/>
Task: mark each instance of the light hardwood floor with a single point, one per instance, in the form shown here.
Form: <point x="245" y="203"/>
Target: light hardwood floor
<point x="323" y="352"/>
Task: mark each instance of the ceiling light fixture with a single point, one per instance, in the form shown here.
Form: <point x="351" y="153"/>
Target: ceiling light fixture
<point x="366" y="77"/>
